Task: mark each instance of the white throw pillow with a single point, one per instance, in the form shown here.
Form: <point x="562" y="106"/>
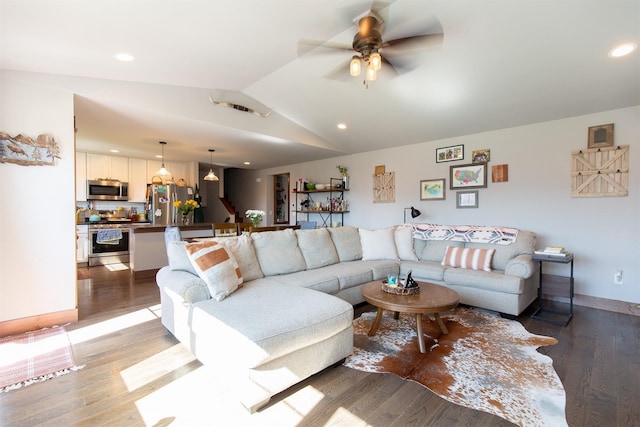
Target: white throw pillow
<point x="216" y="266"/>
<point x="378" y="244"/>
<point x="403" y="235"/>
<point x="242" y="250"/>
<point x="475" y="259"/>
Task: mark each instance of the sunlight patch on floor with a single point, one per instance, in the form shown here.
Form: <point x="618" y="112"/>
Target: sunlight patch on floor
<point x="117" y="267"/>
<point x="342" y="417"/>
<point x="209" y="403"/>
<point x="156" y="366"/>
<point x="115" y="324"/>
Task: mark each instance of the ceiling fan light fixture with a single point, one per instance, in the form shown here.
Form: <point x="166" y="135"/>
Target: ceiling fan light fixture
<point x="376" y="60"/>
<point x="163" y="172"/>
<point x="211" y="176"/>
<point x="372" y="74"/>
<point x="355" y="67"/>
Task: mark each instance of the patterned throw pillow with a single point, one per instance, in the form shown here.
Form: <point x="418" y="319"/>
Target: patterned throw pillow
<point x="475" y="259"/>
<point x="216" y="266"/>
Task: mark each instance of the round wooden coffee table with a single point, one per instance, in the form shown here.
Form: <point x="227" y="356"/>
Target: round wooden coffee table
<point x="432" y="299"/>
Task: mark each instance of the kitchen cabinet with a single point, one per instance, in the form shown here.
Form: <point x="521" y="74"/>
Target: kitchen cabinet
<point x="81" y="177"/>
<point x="82" y="245"/>
<point x="138" y="180"/>
<point x="111" y="167"/>
<point x="179" y="170"/>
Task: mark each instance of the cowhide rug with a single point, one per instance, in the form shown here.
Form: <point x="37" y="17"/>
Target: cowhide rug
<point x="485" y="362"/>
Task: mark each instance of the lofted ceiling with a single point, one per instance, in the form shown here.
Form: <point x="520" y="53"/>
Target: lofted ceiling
<point x="501" y="63"/>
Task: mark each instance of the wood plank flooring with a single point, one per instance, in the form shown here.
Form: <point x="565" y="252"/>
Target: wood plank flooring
<point x="137" y="374"/>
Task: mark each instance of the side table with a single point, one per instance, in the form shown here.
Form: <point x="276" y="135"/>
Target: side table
<point x="556" y="286"/>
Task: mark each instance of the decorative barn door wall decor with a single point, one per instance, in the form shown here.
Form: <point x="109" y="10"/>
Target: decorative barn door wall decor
<point x="597" y="172"/>
<point x="384" y="187"/>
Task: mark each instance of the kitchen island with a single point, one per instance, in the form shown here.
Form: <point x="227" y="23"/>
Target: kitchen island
<point x="147" y="250"/>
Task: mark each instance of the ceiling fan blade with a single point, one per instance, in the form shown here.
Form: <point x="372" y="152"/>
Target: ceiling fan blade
<point x="415" y="42"/>
<point x="317" y="46"/>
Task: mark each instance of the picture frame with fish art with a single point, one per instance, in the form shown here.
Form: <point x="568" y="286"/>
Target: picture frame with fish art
<point x="432" y="189"/>
<point x="472" y="175"/>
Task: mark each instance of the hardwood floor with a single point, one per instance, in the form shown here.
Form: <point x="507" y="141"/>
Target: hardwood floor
<point x="136" y="373"/>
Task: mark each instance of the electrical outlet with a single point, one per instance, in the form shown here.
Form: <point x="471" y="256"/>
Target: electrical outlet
<point x="617" y="278"/>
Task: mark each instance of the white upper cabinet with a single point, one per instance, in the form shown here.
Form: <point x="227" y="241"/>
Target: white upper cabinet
<point x="109" y="167"/>
<point x="137" y="180"/>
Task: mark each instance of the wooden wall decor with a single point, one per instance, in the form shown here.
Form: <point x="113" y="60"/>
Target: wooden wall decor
<point x="500" y="173"/>
<point x="25" y="151"/>
<point x="597" y="172"/>
<point x="384" y="188"/>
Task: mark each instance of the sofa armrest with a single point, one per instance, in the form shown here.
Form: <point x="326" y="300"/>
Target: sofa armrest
<point x="185" y="285"/>
<point x="521" y="266"/>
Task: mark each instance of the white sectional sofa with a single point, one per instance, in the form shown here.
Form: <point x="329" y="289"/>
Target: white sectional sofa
<point x="279" y="306"/>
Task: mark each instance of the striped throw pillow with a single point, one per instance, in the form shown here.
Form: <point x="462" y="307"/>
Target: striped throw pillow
<point x="475" y="259"/>
<point x="216" y="266"/>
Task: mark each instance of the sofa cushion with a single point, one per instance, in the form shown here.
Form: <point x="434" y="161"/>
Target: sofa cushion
<point x="423" y="270"/>
<point x="403" y="235"/>
<point x="242" y="249"/>
<point x="347" y="243"/>
<point x="260" y="322"/>
<point x="378" y="244"/>
<point x="434" y="250"/>
<point x="317" y="248"/>
<point x="319" y="279"/>
<point x="178" y="258"/>
<point x="473" y="258"/>
<point x="350" y="274"/>
<point x="278" y="252"/>
<point x="215" y="264"/>
<point x="486" y="280"/>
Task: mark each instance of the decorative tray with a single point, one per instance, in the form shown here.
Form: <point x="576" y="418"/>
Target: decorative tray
<point x="398" y="289"/>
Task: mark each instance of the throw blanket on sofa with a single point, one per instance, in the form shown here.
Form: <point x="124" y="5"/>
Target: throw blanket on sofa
<point x="465" y="233"/>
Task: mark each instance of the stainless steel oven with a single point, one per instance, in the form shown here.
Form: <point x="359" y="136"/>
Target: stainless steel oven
<point x="108" y="244"/>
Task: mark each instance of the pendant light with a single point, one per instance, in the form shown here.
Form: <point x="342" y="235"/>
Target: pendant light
<point x="163" y="172"/>
<point x="211" y="176"/>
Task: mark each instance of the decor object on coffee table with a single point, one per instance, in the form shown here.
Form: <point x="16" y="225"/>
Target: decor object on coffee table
<point x="485" y="363"/>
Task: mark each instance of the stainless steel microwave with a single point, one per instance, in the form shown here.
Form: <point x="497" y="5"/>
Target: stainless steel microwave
<point x="107" y="190"/>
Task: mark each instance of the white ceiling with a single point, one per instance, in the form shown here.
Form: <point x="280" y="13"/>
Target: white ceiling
<point x="501" y="63"/>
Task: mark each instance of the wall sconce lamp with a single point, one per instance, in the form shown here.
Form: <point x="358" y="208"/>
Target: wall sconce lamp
<point x="414" y="213"/>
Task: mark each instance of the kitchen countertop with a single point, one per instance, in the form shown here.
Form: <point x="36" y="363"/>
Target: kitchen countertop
<point x="150" y="228"/>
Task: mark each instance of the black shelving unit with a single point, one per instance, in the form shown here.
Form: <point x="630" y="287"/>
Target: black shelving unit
<point x="326" y="214"/>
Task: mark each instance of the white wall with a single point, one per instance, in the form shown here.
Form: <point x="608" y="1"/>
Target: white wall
<point x="37" y="221"/>
<point x="602" y="232"/>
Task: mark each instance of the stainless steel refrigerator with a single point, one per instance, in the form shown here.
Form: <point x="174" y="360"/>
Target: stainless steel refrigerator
<point x="161" y="198"/>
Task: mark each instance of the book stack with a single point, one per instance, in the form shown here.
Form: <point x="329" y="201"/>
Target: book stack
<point x="555" y="251"/>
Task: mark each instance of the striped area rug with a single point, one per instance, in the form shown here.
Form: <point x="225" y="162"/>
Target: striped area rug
<point x="34" y="356"/>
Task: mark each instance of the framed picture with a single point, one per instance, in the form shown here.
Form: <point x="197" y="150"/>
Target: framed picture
<point x="432" y="189"/>
<point x="601" y="136"/>
<point x="449" y="154"/>
<point x="473" y="175"/>
<point x="467" y="199"/>
<point x="480" y="156"/>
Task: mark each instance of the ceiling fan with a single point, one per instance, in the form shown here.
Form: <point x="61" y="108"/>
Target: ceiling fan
<point x="368" y="43"/>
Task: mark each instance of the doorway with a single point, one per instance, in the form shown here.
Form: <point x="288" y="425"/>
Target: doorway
<point x="281" y="198"/>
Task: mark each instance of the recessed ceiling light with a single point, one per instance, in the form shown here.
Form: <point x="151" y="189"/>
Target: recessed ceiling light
<point x="342" y="126"/>
<point x="247" y="163"/>
<point x="115" y="151"/>
<point x="159" y="156"/>
<point x="622" y="50"/>
<point x="124" y="57"/>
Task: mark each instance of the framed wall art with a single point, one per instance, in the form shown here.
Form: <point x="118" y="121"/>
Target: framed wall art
<point x="480" y="156"/>
<point x="432" y="189"/>
<point x="467" y="199"/>
<point x="473" y="175"/>
<point x="601" y="136"/>
<point x="449" y="154"/>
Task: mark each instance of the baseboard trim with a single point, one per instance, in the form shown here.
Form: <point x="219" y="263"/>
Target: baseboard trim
<point x="33" y="323"/>
<point x="600" y="303"/>
<point x="145" y="274"/>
